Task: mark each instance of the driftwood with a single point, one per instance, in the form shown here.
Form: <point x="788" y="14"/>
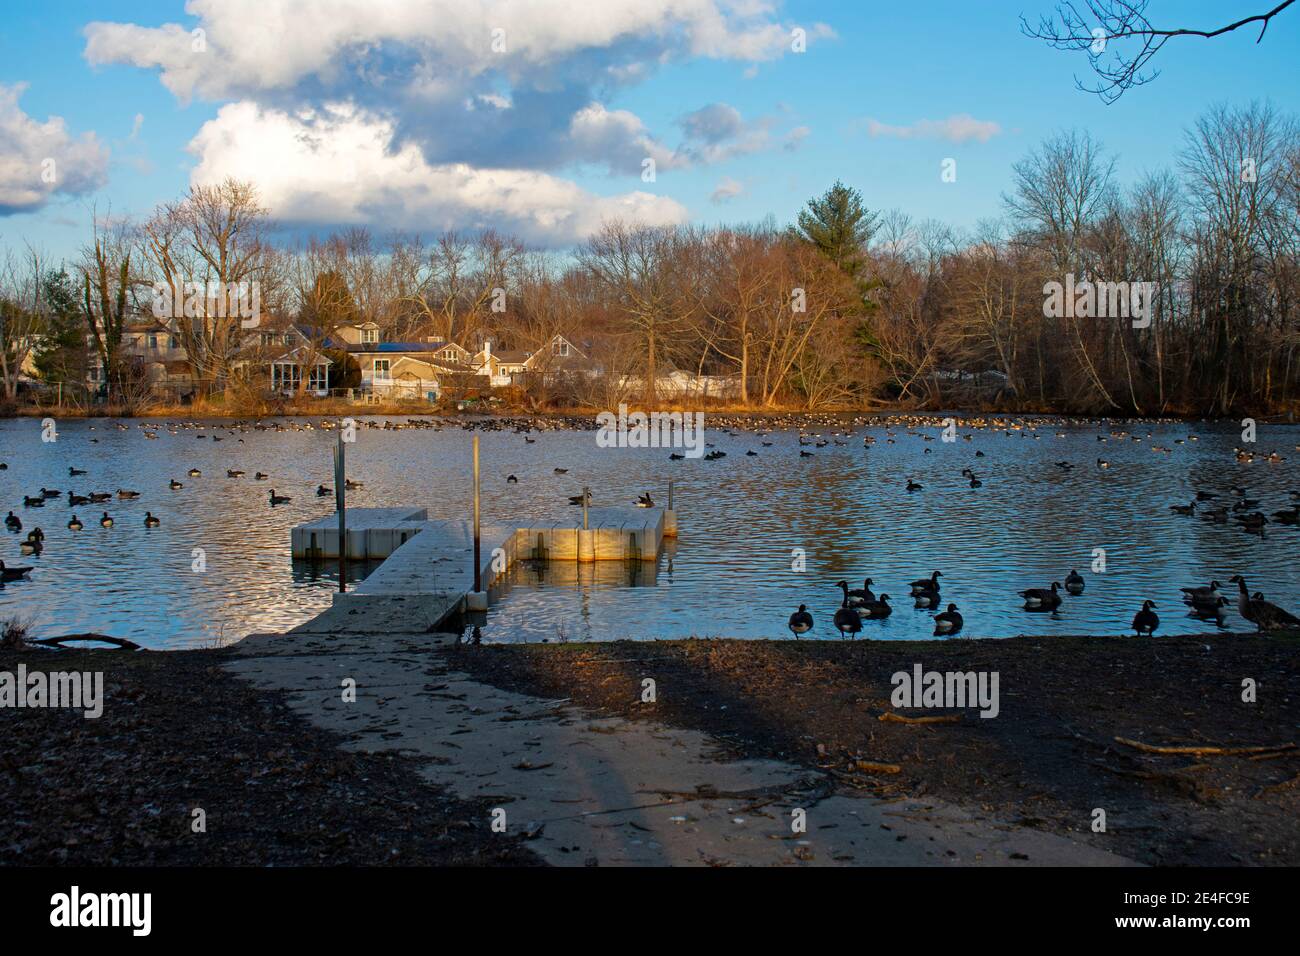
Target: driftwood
<point x="892" y="717"/>
<point x="100" y="638"/>
<point x="870" y="766"/>
<point x="1199" y="749"/>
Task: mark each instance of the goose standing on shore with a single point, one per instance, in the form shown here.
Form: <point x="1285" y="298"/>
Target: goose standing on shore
<point x="1146" y="621"/>
<point x="801" y="622"/>
<point x="847" y="621"/>
<point x="1265" y="615"/>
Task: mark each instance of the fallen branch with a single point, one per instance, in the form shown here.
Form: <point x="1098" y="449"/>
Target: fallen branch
<point x="101" y="638"/>
<point x="1199" y="749"/>
<point x="891" y="717"/>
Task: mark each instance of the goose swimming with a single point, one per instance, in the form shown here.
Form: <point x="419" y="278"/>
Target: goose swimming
<point x="949" y="622"/>
<point x="1042" y="598"/>
<point x="1074" y="583"/>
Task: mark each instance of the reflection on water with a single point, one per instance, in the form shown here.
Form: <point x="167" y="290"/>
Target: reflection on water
<point x="730" y="573"/>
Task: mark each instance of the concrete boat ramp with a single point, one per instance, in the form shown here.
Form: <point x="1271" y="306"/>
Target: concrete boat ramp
<point x="591" y="790"/>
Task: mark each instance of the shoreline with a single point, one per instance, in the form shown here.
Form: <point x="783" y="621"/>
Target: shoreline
<point x="304" y="795"/>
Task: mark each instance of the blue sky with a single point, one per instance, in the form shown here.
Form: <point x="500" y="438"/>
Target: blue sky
<point x="896" y="64"/>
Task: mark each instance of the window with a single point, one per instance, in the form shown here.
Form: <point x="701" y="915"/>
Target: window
<point x="153" y="341"/>
<point x="318" y="381"/>
<point x="95" y="373"/>
<point x="288" y="338"/>
<point x="381" y="370"/>
<point x="369" y="336"/>
<point x="286" y="376"/>
<point x="448" y="353"/>
<point x="560" y="347"/>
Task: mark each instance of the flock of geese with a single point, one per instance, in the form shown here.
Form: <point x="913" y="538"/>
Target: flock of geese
<point x="1205" y="603"/>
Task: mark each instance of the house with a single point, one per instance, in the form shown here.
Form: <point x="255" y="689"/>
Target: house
<point x="284" y="353"/>
<point x="407" y="369"/>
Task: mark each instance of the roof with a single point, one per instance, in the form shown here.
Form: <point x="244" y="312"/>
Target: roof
<point x="400" y="346"/>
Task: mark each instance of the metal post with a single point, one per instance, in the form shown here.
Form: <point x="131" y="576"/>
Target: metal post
<point x="586" y="493"/>
<point x="670" y="494"/>
<point x="478" y="563"/>
<point x="340" y="502"/>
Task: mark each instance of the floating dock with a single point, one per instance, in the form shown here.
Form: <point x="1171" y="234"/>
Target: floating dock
<point x="432" y="561"/>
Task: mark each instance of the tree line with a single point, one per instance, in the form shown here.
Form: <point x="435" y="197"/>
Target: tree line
<point x="854" y="305"/>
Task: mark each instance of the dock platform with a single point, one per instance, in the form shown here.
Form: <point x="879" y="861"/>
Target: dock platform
<point x="431" y="562"/>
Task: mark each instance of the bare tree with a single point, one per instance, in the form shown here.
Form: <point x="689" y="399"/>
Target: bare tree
<point x="1091" y="26"/>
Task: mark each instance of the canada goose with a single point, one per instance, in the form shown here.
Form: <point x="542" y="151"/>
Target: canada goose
<point x="801" y="622"/>
<point x="74" y="524"/>
<point x="74" y="472"/>
<point x="949" y="622"/>
<point x="74" y="500"/>
<point x="1288" y="516"/>
<point x="865" y="593"/>
<point x="279" y="499"/>
<point x="579" y="499"/>
<point x="1102" y="463"/>
<point x="195" y="473"/>
<point x="351" y="485"/>
<point x="322" y="491"/>
<point x="644" y="501"/>
<point x="149" y="520"/>
<point x="877" y="609"/>
<point x="1205" y="496"/>
<point x="672" y="456"/>
<point x="913" y="486"/>
<point x="1207" y="595"/>
<point x="12" y="574"/>
<point x="32" y="545"/>
<point x="1074" y="583"/>
<point x="926" y="584"/>
<point x="975" y="482"/>
<point x="13" y="522"/>
<point x="1263" y="614"/>
<point x="1183" y="509"/>
<point x="805" y="454"/>
<point x="50" y="493"/>
<point x="847" y="621"/>
<point x="853" y="598"/>
<point x="1210" y="612"/>
<point x="1146" y="621"/>
<point x="98" y="496"/>
<point x="926" y="600"/>
<point x="106" y="521"/>
<point x="561" y="471"/>
<point x="234" y="473"/>
<point x="511" y="480"/>
<point x="1042" y="598"/>
<point x="30" y="502"/>
<point x="127" y="495"/>
<point x="261" y="476"/>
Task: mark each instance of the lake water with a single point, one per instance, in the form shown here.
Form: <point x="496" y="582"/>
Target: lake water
<point x="729" y="574"/>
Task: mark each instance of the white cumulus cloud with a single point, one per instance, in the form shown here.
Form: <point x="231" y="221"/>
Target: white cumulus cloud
<point x="39" y="160"/>
<point x="337" y="166"/>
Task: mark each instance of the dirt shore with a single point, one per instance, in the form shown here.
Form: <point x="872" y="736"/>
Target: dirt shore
<point x="1048" y="760"/>
<point x="178" y="732"/>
